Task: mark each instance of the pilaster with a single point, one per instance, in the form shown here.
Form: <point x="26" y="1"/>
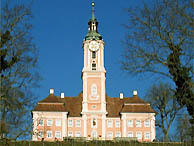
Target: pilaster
<point x="103" y="127"/>
<point x="85" y="125"/>
<point x="64" y="124"/>
<point x="124" y="125"/>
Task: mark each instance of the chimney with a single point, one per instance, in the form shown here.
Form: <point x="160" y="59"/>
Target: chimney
<point x="121" y="95"/>
<point x="134" y="92"/>
<point x="62" y="95"/>
<point x="51" y="91"/>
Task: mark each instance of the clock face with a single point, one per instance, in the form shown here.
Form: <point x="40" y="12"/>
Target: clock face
<point x="93" y="45"/>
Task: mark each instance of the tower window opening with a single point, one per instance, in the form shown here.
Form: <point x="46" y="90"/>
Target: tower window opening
<point x="93" y="66"/>
<point x="93" y="26"/>
<point x="93" y="54"/>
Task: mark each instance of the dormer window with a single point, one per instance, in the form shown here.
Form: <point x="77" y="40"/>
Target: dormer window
<point x="93" y="66"/>
<point x="93" y="54"/>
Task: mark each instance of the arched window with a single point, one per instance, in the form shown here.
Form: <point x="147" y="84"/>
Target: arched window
<point x="94" y="89"/>
<point x="93" y="54"/>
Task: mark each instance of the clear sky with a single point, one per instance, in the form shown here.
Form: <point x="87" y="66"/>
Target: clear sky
<point x="59" y="29"/>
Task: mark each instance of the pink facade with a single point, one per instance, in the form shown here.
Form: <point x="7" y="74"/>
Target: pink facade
<point x="92" y="114"/>
<point x="141" y="125"/>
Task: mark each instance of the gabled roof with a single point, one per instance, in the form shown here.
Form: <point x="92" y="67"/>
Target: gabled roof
<point x="51" y="99"/>
<point x="137" y="108"/>
<point x="134" y="99"/>
<point x="113" y="106"/>
<point x="50" y="107"/>
<point x="73" y="105"/>
<point x="116" y="106"/>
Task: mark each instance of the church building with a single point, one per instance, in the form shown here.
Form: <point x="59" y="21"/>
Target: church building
<point x="93" y="114"/>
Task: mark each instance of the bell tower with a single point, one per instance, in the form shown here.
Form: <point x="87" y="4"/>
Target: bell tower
<point x="93" y="74"/>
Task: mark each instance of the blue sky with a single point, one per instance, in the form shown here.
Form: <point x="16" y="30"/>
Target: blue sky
<point x="59" y="29"/>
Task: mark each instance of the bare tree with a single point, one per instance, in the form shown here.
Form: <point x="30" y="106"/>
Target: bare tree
<point x="166" y="107"/>
<point x="160" y="40"/>
<point x="19" y="75"/>
<point x="183" y="127"/>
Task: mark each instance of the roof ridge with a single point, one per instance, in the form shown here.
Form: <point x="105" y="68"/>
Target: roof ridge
<point x="136" y="104"/>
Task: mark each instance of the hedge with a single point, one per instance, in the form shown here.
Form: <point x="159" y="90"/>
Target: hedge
<point x="89" y="143"/>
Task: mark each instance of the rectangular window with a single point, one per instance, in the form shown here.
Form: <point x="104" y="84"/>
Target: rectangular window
<point x="130" y="123"/>
<point x="40" y="134"/>
<point x="147" y="123"/>
<point x="77" y="134"/>
<point x="58" y="122"/>
<point x="58" y="134"/>
<point x="78" y="123"/>
<point x="110" y="123"/>
<point x="117" y="123"/>
<point x="130" y="134"/>
<point x="49" y="122"/>
<point x="41" y="122"/>
<point x="147" y="135"/>
<point x="70" y="123"/>
<point x="70" y="134"/>
<point x="117" y="134"/>
<point x="138" y="123"/>
<point x="139" y="135"/>
<point x="49" y="134"/>
<point x="93" y="54"/>
<point x="110" y="135"/>
<point x="93" y="66"/>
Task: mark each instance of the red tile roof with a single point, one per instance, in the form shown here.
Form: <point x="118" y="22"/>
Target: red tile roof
<point x="144" y="108"/>
<point x="72" y="105"/>
<point x="134" y="104"/>
<point x="50" y="107"/>
<point x="114" y="106"/>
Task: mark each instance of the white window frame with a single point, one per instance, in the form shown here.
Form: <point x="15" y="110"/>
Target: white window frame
<point x="94" y="126"/>
<point x="70" y="125"/>
<point x="70" y="134"/>
<point x="76" y="123"/>
<point x="77" y="133"/>
<point x="59" y="132"/>
<point x="108" y="134"/>
<point x="118" y="134"/>
<point x="137" y="135"/>
<point x="138" y="121"/>
<point x="58" y="122"/>
<point x="130" y="134"/>
<point x="49" y="132"/>
<point x="147" y="123"/>
<point x="130" y="123"/>
<point x="145" y="135"/>
<point x="117" y="123"/>
<point x="49" y="122"/>
<point x="109" y="123"/>
<point x="42" y="122"/>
